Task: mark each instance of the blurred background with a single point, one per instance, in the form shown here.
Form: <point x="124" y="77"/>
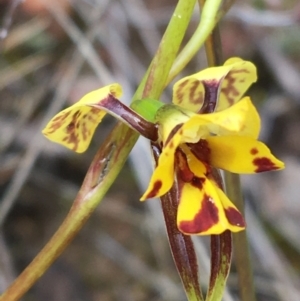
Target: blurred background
<point x="52" y="53"/>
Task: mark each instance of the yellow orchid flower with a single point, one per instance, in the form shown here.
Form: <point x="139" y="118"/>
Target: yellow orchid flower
<point x="208" y="126"/>
<point x="190" y="152"/>
<point x="75" y="126"/>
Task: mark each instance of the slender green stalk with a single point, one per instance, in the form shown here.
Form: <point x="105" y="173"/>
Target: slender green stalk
<point x="209" y="18"/>
<point x="211" y="13"/>
<point x="156" y="75"/>
<point x="94" y="187"/>
<point x="110" y="158"/>
<point x="233" y="189"/>
<point x="240" y="241"/>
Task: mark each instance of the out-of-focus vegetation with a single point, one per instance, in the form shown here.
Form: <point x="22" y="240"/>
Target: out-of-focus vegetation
<point x="52" y="52"/>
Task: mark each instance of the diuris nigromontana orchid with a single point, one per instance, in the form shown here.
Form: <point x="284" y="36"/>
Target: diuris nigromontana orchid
<point x="208" y="126"/>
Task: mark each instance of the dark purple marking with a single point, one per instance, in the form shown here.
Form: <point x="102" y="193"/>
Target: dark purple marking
<point x="180" y="89"/>
<point x="173" y="132"/>
<point x="201" y="150"/>
<point x="182" y="167"/>
<point x="198" y="182"/>
<point x="254" y="151"/>
<point x="195" y="98"/>
<point x="234" y="217"/>
<point x="156" y="187"/>
<point x="57" y="122"/>
<point x="264" y="164"/>
<point x="230" y="91"/>
<point x="207" y="217"/>
<point x="211" y="88"/>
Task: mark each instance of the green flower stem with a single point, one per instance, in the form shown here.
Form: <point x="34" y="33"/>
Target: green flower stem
<point x="147" y="108"/>
<point x="233" y="188"/>
<point x="240" y="241"/>
<point x="110" y="158"/>
<point x="212" y="13"/>
<point x="156" y="77"/>
<point x="209" y="18"/>
<point x="102" y="172"/>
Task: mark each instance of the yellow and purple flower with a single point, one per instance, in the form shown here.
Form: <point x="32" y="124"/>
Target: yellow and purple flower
<point x="209" y="126"/>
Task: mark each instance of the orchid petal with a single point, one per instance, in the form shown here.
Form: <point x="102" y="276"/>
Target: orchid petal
<point x="75" y="126"/>
<point x="240" y="119"/>
<point x="241" y="76"/>
<point x="189" y="92"/>
<point x="163" y="176"/>
<point x="201" y="211"/>
<point x="234" y="218"/>
<point x="240" y="154"/>
<point x="229" y="82"/>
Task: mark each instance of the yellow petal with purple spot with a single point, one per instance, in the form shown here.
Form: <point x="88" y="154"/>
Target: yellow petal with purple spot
<point x="234" y="218"/>
<point x="241" y="76"/>
<point x="189" y="92"/>
<point x="163" y="176"/>
<point x="229" y="82"/>
<point x="240" y="154"/>
<point x="200" y="209"/>
<point x="75" y="126"/>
